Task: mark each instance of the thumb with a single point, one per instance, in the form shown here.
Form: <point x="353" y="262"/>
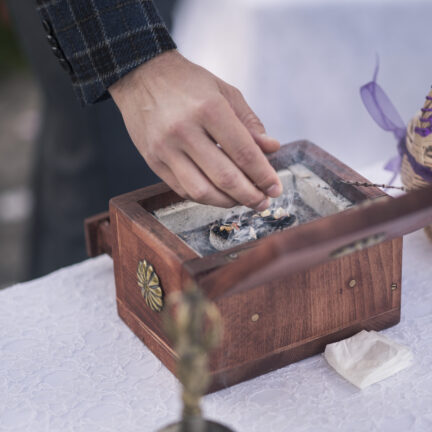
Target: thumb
<point x="245" y="114"/>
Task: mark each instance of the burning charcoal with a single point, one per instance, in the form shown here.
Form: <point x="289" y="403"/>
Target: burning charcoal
<point x="223" y="235"/>
<point x="226" y="235"/>
<point x="270" y="224"/>
<point x="284" y="222"/>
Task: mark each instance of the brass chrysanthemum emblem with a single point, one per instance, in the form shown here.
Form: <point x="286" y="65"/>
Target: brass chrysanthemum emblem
<point x="149" y="283"/>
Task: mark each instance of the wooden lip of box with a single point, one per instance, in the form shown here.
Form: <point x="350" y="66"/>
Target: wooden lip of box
<point x="282" y="298"/>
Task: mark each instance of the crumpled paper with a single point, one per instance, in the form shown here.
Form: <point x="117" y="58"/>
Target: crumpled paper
<point x="367" y="357"/>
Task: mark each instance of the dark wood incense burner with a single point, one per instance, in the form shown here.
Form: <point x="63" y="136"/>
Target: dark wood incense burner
<point x="332" y="268"/>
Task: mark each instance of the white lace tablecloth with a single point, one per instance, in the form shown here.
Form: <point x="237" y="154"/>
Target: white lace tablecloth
<point x="68" y="363"/>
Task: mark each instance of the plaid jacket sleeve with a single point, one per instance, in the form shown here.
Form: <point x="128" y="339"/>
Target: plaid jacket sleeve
<point x="99" y="41"/>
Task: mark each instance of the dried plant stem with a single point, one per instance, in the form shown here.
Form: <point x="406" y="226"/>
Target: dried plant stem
<point x="384" y="186"/>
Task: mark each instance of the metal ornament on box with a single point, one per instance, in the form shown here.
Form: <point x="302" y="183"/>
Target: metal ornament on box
<point x="149" y="283"/>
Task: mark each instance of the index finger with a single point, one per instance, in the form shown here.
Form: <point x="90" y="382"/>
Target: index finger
<point x="229" y="132"/>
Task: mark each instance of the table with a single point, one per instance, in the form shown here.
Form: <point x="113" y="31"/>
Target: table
<point x="300" y="63"/>
<point x="68" y="363"/>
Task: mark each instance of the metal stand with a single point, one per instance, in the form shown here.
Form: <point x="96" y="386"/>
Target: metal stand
<point x="195" y="327"/>
<point x="196" y="425"/>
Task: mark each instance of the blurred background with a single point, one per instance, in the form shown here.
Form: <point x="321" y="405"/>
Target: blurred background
<point x="19" y="122"/>
<point x="299" y="63"/>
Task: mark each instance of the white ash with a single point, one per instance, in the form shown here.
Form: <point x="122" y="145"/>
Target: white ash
<point x="305" y="195"/>
<point x="316" y="193"/>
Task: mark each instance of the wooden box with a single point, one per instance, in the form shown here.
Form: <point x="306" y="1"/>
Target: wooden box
<point x="283" y="297"/>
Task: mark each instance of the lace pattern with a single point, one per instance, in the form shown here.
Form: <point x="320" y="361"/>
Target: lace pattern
<point x="68" y="363"/>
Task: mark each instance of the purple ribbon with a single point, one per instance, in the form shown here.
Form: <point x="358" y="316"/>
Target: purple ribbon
<point x="424" y="132"/>
<point x="387" y="117"/>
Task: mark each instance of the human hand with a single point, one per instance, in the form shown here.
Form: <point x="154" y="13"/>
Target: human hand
<point x="197" y="133"/>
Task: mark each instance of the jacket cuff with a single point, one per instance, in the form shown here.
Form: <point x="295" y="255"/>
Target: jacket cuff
<point x="99" y="41"/>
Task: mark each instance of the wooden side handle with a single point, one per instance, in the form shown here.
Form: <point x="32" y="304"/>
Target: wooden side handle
<point x="98" y="235"/>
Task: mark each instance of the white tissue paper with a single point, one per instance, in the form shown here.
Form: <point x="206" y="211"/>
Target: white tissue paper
<point x="367" y="357"/>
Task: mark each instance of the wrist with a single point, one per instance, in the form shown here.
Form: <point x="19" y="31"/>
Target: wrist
<point x="143" y="73"/>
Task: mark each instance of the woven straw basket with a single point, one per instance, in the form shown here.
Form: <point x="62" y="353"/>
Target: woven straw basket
<point x="421" y="149"/>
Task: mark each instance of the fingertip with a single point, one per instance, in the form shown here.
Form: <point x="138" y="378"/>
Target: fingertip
<point x="274" y="190"/>
<point x="263" y="205"/>
<point x="268" y="137"/>
<point x="267" y="143"/>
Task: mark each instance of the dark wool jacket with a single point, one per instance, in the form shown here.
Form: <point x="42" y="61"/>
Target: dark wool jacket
<point x="99" y="41"/>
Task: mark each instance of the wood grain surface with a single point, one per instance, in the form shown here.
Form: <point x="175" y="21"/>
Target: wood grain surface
<point x="283" y="297"/>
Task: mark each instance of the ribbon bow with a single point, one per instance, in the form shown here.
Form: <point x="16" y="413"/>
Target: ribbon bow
<point x="382" y="110"/>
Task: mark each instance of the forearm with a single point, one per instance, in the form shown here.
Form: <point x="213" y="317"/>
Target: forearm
<point x="99" y="41"/>
<point x="195" y="131"/>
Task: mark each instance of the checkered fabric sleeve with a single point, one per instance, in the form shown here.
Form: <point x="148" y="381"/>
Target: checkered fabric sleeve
<point x="99" y="41"/>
